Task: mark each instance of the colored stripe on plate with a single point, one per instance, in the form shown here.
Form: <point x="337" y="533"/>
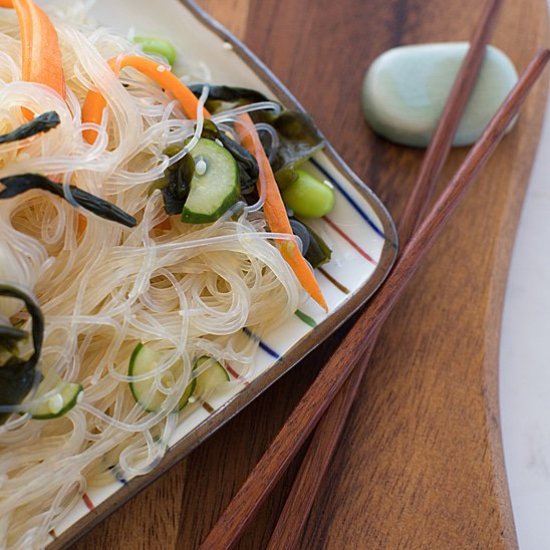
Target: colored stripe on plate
<point x="349" y="198"/>
<point x="305" y="318"/>
<point x="117" y="474"/>
<point x="343" y="289"/>
<point x="87" y="501"/>
<point x="349" y="240"/>
<point x="236" y="375"/>
<point x="262" y="344"/>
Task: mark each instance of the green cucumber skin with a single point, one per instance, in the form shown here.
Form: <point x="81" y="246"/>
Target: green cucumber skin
<point x="133" y="358"/>
<point x="188" y="216"/>
<point x="186" y="394"/>
<point x="72" y="403"/>
<point x="185" y="397"/>
<point x="197" y="384"/>
<point x="205" y="147"/>
<point x="202" y="386"/>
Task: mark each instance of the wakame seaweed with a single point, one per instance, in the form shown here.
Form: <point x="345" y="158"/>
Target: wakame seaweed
<point x="10" y="336"/>
<point x="41" y="124"/>
<point x="314" y="249"/>
<point x="299" y="138"/>
<point x="16" y="185"/>
<point x="248" y="165"/>
<point x="319" y="252"/>
<point x="302" y="232"/>
<point x="223" y="97"/>
<point x="17" y="376"/>
<point x="177" y="185"/>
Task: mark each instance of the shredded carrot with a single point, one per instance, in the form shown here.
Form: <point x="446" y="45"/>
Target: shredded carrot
<point x="276" y="216"/>
<point x="164" y="225"/>
<point x="82" y="224"/>
<point x="41" y="54"/>
<point x="92" y="110"/>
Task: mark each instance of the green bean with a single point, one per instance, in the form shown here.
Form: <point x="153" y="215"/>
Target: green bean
<point x="307" y="196"/>
<point x="151" y="44"/>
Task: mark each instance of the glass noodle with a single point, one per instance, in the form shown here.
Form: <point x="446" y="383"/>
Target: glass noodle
<point x="187" y="291"/>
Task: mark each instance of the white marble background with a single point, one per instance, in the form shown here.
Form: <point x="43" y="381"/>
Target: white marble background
<point x="525" y="361"/>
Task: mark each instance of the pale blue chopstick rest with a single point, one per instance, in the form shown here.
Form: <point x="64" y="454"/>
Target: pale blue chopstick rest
<point x="405" y="89"/>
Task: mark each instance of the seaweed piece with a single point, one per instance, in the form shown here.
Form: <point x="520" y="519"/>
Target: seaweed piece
<point x="224" y="97"/>
<point x="41" y="124"/>
<point x="10" y="336"/>
<point x="247" y="163"/>
<point x="16" y="185"/>
<point x="299" y="139"/>
<point x="301" y="231"/>
<point x="177" y="184"/>
<point x="298" y="135"/>
<point x="229" y="93"/>
<point x="317" y="252"/>
<point x="17" y="376"/>
<point x="210" y="130"/>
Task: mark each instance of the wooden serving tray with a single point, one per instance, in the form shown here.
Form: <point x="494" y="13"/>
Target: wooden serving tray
<point x="421" y="462"/>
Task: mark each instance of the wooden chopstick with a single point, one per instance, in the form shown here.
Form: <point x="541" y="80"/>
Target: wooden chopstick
<point x="442" y="139"/>
<point x="316" y="400"/>
<point x="306" y="485"/>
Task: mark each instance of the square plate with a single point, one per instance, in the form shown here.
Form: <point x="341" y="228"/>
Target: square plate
<point x="360" y="231"/>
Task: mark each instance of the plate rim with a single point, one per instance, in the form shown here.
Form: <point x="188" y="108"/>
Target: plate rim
<point x="299" y="351"/>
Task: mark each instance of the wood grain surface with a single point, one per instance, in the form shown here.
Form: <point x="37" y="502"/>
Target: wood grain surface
<point x="420" y="465"/>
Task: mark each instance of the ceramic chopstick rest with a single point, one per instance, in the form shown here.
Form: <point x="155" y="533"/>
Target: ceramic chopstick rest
<point x="405" y="89"/>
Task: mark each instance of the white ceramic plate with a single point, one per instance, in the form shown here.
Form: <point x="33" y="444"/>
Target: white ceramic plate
<point x="359" y="230"/>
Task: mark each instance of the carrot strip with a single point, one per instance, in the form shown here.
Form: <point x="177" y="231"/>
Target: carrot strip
<point x="164" y="78"/>
<point x="92" y="110"/>
<point x="164" y="225"/>
<point x="82" y="224"/>
<point x="41" y="54"/>
<point x="276" y="216"/>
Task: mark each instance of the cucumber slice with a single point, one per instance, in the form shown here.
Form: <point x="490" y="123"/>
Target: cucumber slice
<point x="212" y="377"/>
<point x="144" y="360"/>
<point x="215" y="184"/>
<point x="66" y="396"/>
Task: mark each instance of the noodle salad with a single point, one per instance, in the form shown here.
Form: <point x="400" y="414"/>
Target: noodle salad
<point x="150" y="222"/>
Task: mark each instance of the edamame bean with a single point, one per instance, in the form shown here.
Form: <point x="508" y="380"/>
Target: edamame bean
<point x="150" y="44"/>
<point x="308" y="197"/>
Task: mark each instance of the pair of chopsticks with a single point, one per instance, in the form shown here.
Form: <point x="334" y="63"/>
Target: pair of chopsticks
<point x="355" y="348"/>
